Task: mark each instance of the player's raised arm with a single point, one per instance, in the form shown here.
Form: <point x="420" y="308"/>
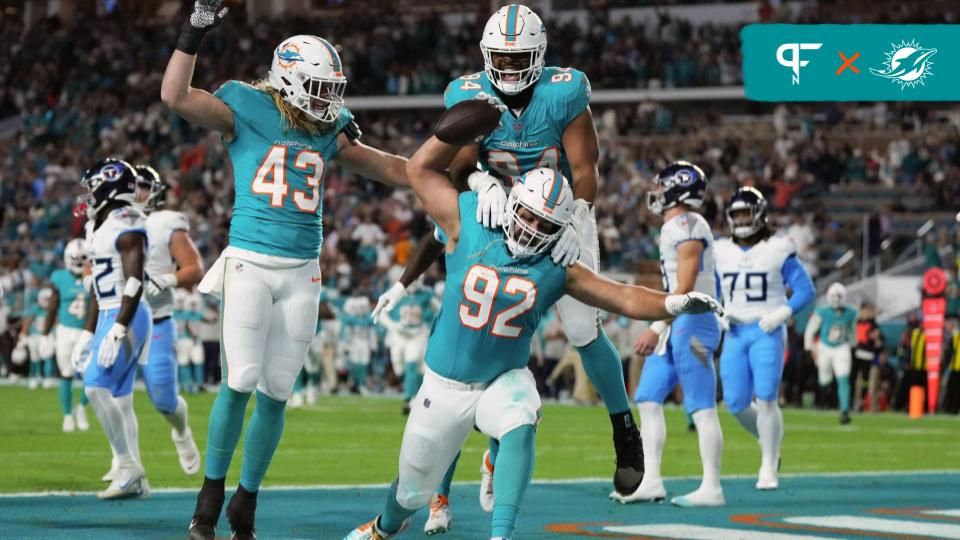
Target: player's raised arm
<point x="633" y="301"/>
<point x="429" y="180"/>
<point x="196" y="106"/>
<point x="582" y="147"/>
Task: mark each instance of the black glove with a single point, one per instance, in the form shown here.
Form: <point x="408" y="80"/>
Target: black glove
<point x="204" y="18"/>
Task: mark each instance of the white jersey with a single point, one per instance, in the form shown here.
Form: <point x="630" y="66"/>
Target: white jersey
<point x="677" y="230"/>
<point x="160" y="228"/>
<point x="106" y="266"/>
<point x="752" y="278"/>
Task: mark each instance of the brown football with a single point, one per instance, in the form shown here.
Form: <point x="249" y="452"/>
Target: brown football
<point x="467" y="122"/>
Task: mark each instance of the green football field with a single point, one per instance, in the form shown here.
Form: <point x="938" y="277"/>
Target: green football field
<point x="354" y="440"/>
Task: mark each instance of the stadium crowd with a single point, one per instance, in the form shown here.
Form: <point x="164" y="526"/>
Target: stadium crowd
<point x="84" y="95"/>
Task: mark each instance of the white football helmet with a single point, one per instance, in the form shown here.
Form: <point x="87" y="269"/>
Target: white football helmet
<point x="514" y="29"/>
<point x="836" y="295"/>
<point x="547" y="194"/>
<point x="43" y="297"/>
<point x="75" y="255"/>
<point x="307" y="72"/>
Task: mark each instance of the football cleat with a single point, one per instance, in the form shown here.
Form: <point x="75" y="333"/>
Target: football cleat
<point x="767" y="480"/>
<point x="129" y="483"/>
<point x="844" y="418"/>
<point x="486" y="483"/>
<point x="649" y="490"/>
<point x="440" y="516"/>
<point x="186" y="451"/>
<point x="241" y="513"/>
<point x="80" y="415"/>
<point x="296" y="401"/>
<point x="700" y="497"/>
<point x="203" y="526"/>
<point x="112" y="473"/>
<point x="371" y="531"/>
<point x="69" y="424"/>
<point x="629" y="473"/>
<point x="33" y="383"/>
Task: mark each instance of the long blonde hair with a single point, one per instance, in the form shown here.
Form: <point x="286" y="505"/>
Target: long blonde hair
<point x="293" y="118"/>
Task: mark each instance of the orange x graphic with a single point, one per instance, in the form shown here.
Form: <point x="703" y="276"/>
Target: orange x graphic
<point x="848" y="62"/>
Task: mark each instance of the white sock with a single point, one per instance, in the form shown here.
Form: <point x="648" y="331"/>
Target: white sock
<point x="748" y="419"/>
<point x="130" y="426"/>
<point x="178" y="418"/>
<point x="770" y="426"/>
<point x="653" y="431"/>
<point x="110" y="415"/>
<point x="711" y="445"/>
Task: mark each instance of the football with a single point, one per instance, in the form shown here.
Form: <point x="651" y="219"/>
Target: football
<point x="467" y="122"/>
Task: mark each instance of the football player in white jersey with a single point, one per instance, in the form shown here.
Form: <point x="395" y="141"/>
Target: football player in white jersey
<point x="755" y="270"/>
<point x="172" y="261"/>
<point x="681" y="350"/>
<point x="119" y="323"/>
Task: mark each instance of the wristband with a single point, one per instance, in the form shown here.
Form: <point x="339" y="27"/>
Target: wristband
<point x="190" y="38"/>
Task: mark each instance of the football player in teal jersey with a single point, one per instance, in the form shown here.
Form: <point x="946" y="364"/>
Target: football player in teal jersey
<point x="548" y="123"/>
<point x="66" y="313"/>
<point x="281" y="134"/>
<point x="38" y="341"/>
<point x="499" y="283"/>
<point x="830" y="335"/>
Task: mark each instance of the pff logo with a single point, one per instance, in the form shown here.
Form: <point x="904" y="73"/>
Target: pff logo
<point x="794" y="62"/>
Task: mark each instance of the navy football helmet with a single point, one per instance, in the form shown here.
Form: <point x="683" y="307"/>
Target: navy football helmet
<point x="107" y="180"/>
<point x="746" y="212"/>
<point x="680" y="182"/>
<point x="149" y="181"/>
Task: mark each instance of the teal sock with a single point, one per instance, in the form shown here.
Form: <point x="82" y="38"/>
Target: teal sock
<point x="494" y="449"/>
<point x="298" y="383"/>
<point x="314" y="378"/>
<point x="393" y="514"/>
<point x="226" y="423"/>
<point x="263" y="436"/>
<point x="84" y="400"/>
<point x="186" y="375"/>
<point x="66" y="396"/>
<point x="601" y="361"/>
<point x="444" y="488"/>
<point x="358" y="372"/>
<point x="198" y="375"/>
<point x="511" y="477"/>
<point x="843" y="391"/>
<point x="48" y="368"/>
<point x="412" y="379"/>
<point x="34" y="370"/>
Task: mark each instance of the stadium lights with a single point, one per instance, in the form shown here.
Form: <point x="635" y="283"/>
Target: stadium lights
<point x="844" y="259"/>
<point x="925" y="228"/>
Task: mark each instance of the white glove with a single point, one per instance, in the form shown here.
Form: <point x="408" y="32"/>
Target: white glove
<point x="205" y="13"/>
<point x="80" y="356"/>
<point x="110" y="346"/>
<point x="773" y="320"/>
<point x="156" y="285"/>
<point x="19" y="354"/>
<point x="493" y="100"/>
<point x="566" y="252"/>
<point x="491" y="198"/>
<point x="692" y="302"/>
<point x="388" y="300"/>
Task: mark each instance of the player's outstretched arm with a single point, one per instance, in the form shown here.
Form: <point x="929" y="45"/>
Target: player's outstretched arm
<point x="633" y="301"/>
<point x="196" y="106"/>
<point x="370" y="162"/>
<point x="429" y="180"/>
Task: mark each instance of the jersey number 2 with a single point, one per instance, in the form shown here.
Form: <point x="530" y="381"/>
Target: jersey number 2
<point x="271" y="178"/>
<point x="480" y="289"/>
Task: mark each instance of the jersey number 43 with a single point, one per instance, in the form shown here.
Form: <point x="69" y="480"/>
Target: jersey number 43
<point x="481" y="286"/>
<point x="271" y="178"/>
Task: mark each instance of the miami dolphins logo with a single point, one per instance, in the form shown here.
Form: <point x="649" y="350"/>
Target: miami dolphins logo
<point x="907" y="64"/>
<point x="288" y="55"/>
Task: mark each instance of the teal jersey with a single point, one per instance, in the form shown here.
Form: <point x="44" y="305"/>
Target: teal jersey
<point x="186" y="320"/>
<point x="278" y="176"/>
<point x="837" y="327"/>
<point x="535" y="137"/>
<point x="492" y="303"/>
<point x="39" y="319"/>
<point x="334" y="301"/>
<point x="72" y="310"/>
<point x="352" y="327"/>
<point x="414" y="310"/>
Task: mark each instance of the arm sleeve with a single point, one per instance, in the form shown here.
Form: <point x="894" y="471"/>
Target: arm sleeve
<point x="796" y="276"/>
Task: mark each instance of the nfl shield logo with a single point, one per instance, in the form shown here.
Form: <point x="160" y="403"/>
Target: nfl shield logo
<point x="517" y="126"/>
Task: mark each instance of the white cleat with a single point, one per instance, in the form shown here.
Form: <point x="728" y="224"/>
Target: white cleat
<point x="767" y="480"/>
<point x="371" y="531"/>
<point x="186" y="451"/>
<point x="440" y="516"/>
<point x="701" y="497"/>
<point x="33" y="383"/>
<point x="486" y="483"/>
<point x="311" y="395"/>
<point x="80" y="415"/>
<point x="296" y="401"/>
<point x="130" y="483"/>
<point x="49" y="383"/>
<point x="69" y="424"/>
<point x="650" y="490"/>
<point x="112" y="473"/>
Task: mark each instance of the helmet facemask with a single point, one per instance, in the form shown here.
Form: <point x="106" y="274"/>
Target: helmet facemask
<point x="513" y="81"/>
<point x="528" y="231"/>
<point x="307" y="72"/>
<point x="744" y="220"/>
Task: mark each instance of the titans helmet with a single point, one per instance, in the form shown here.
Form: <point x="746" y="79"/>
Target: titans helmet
<point x="108" y="180"/>
<point x="746" y="212"/>
<point x="149" y="180"/>
<point x="680" y="182"/>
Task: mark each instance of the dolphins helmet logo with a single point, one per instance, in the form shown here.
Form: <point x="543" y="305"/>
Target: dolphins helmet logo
<point x="288" y="55"/>
<point x="907" y="64"/>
